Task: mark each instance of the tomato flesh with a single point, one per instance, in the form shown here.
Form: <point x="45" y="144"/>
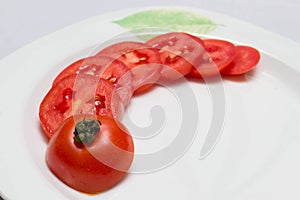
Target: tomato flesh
<point x="131" y="53"/>
<point x="245" y="60"/>
<point x="179" y="52"/>
<point x="196" y="39"/>
<point x="137" y="54"/>
<point x="219" y="54"/>
<point x="58" y="104"/>
<point x="101" y="66"/>
<point x="105" y="67"/>
<point x="94" y="167"/>
<point x="145" y="76"/>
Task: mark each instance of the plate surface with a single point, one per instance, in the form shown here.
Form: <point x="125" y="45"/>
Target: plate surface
<point x="257" y="157"/>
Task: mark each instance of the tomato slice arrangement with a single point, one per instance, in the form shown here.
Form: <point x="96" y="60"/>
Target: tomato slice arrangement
<point x="89" y="149"/>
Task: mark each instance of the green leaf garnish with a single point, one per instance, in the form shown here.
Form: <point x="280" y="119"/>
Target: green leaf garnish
<point x="173" y="20"/>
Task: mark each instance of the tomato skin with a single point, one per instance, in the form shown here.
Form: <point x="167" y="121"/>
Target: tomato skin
<point x="179" y="53"/>
<point x="82" y="167"/>
<point x="221" y="52"/>
<point x="245" y="60"/>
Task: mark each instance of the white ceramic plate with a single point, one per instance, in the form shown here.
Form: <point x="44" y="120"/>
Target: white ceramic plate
<point x="257" y="157"/>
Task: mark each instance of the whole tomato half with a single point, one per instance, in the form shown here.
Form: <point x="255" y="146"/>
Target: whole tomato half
<point x="90" y="153"/>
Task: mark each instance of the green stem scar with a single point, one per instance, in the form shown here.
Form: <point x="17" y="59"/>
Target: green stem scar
<point x="86" y="131"/>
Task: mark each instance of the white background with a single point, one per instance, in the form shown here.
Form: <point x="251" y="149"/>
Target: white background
<point x="25" y="21"/>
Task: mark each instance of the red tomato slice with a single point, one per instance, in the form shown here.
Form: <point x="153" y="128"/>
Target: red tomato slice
<point x="104" y="67"/>
<point x="132" y="53"/>
<point x="197" y="39"/>
<point x="179" y="52"/>
<point x="69" y="70"/>
<point x="145" y="76"/>
<point x="58" y="104"/>
<point x="221" y="52"/>
<point x="245" y="60"/>
<point x="137" y="54"/>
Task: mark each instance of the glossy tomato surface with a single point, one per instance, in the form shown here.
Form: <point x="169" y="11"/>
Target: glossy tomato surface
<point x="179" y="53"/>
<point x="219" y="54"/>
<point x="78" y="94"/>
<point x="245" y="60"/>
<point x="93" y="167"/>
